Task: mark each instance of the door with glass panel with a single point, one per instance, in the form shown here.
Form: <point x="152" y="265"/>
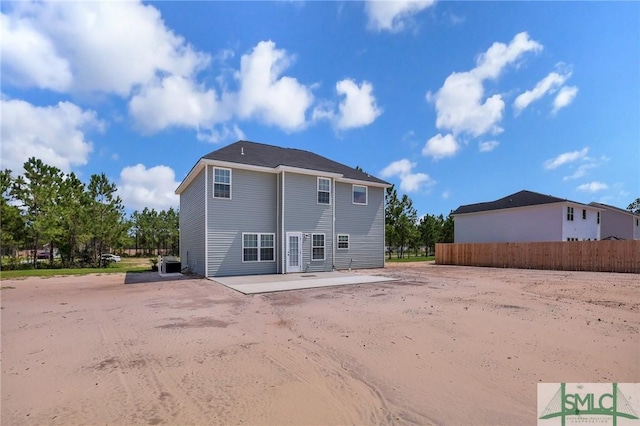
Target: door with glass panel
<point x="294" y="252"/>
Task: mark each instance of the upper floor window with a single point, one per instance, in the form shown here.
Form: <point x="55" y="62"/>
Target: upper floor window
<point x="324" y="190"/>
<point x="584" y="214"/>
<point x="221" y="183"/>
<point x="359" y="194"/>
<point x="598" y="217"/>
<point x="569" y="213"/>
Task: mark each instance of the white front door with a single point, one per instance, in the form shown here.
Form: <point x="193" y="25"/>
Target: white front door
<point x="294" y="252"/>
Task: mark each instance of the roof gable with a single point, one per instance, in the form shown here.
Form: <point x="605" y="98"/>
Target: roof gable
<point x="519" y="199"/>
<point x="270" y="156"/>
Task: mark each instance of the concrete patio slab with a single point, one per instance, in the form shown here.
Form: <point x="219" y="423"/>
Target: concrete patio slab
<point x="254" y="284"/>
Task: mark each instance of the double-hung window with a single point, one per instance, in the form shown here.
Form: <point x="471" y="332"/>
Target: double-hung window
<point x="317" y="247"/>
<point x="343" y="241"/>
<point x="324" y="190"/>
<point x="569" y="213"/>
<point x="221" y="183"/>
<point x="258" y="247"/>
<point x="584" y="213"/>
<point x="359" y="194"/>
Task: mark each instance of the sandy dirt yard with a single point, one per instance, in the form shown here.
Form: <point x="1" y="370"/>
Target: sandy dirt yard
<point x="443" y="345"/>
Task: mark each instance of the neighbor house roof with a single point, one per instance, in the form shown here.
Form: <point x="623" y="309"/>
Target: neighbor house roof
<point x="519" y="199"/>
<point x="618" y="209"/>
<point x="259" y="154"/>
<point x="263" y="157"/>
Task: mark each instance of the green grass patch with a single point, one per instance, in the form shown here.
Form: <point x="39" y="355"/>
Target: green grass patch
<point x="410" y="259"/>
<point x="114" y="269"/>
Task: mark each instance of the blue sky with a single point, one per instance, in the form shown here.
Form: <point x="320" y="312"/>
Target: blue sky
<point x="454" y="102"/>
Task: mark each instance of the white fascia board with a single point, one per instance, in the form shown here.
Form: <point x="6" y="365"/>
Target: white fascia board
<point x="195" y="170"/>
<point x="311" y="172"/>
<point x="364" y="183"/>
<point x="231" y="165"/>
<point x="216" y="163"/>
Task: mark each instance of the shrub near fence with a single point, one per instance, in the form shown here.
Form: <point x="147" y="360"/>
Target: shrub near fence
<point x="597" y="256"/>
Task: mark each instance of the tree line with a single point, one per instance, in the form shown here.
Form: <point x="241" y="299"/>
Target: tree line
<point x="404" y="231"/>
<point x="73" y="223"/>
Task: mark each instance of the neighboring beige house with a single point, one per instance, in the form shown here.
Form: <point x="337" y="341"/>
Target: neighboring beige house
<point x="618" y="223"/>
<point x="526" y="216"/>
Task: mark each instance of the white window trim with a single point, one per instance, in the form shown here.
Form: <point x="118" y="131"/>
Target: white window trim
<point x="318" y="190"/>
<point x="366" y="194"/>
<point x="570" y="214"/>
<point x="259" y="234"/>
<point x="324" y="247"/>
<point x="213" y="187"/>
<point x="338" y="242"/>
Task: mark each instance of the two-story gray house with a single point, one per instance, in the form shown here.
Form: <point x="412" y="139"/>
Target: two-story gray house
<point x="251" y="208"/>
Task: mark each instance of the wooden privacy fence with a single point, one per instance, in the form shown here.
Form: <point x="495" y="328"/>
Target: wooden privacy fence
<point x="597" y="256"/>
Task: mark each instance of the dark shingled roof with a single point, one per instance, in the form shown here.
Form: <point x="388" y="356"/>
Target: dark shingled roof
<point x="519" y="199"/>
<point x="258" y="154"/>
<point x="618" y="209"/>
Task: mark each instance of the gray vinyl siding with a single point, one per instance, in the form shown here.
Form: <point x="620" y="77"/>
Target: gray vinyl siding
<point x="192" y="254"/>
<point x="365" y="226"/>
<point x="302" y="213"/>
<point x="251" y="209"/>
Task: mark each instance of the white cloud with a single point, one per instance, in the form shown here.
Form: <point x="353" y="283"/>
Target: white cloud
<point x="567" y="157"/>
<point x="175" y="101"/>
<point x="357" y="109"/>
<point x="29" y="58"/>
<point x="95" y="46"/>
<point x="446" y="195"/>
<point x="54" y="134"/>
<point x="153" y="188"/>
<point x="593" y="187"/>
<point x="460" y="103"/>
<point x="488" y="146"/>
<point x="275" y="100"/>
<point x="221" y="133"/>
<point x="395" y="15"/>
<point x="564" y="98"/>
<point x="439" y="146"/>
<point x="580" y="171"/>
<point x="548" y="84"/>
<point x="409" y="182"/>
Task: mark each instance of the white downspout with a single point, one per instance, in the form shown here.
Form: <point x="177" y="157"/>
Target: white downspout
<point x="284" y="238"/>
<point x="333" y="229"/>
<point x="206" y="221"/>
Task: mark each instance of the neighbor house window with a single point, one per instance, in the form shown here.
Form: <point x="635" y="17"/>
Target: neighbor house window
<point x="221" y="183"/>
<point x="343" y="241"/>
<point x="569" y="213"/>
<point x="359" y="194"/>
<point x="324" y="191"/>
<point x="584" y="214"/>
<point x="258" y="247"/>
<point x="317" y="247"/>
<point x="598" y="217"/>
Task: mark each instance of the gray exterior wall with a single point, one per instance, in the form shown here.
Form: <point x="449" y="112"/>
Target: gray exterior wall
<point x="251" y="209"/>
<point x="618" y="224"/>
<point x="192" y="226"/>
<point x="302" y="213"/>
<point x="365" y="226"/>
